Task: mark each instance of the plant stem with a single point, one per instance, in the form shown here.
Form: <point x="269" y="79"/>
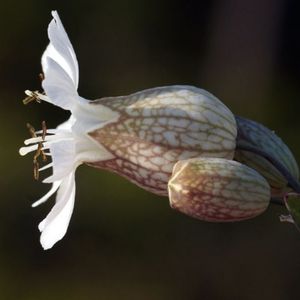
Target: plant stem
<point x="277" y="201"/>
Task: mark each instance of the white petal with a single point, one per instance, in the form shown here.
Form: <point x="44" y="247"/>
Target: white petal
<point x="55" y="225"/>
<point x="58" y="86"/>
<point x="61" y="48"/>
<point x="63" y="159"/>
<point x="68" y="124"/>
<point x="60" y="66"/>
<point x="53" y="189"/>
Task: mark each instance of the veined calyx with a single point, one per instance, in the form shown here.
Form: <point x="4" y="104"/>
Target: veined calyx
<point x="160" y="126"/>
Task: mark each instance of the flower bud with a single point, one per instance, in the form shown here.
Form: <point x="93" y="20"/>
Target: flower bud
<point x="256" y="135"/>
<point x="217" y="190"/>
<point x="158" y="127"/>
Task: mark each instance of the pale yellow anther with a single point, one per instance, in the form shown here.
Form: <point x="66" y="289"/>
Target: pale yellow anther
<point x="32" y="96"/>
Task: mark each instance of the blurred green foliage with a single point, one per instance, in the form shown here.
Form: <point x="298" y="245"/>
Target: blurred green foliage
<point x="124" y="243"/>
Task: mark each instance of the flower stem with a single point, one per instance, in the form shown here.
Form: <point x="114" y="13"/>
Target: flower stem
<point x="277" y="201"/>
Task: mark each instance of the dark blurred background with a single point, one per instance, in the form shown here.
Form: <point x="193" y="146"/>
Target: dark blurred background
<point x="124" y="243"/>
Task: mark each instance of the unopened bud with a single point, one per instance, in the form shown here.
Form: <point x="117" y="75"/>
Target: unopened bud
<point x="217" y="190"/>
<point x="256" y="135"/>
<point x="158" y="127"/>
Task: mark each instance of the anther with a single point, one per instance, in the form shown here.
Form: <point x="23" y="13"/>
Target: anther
<point x="32" y="96"/>
<point x="41" y="76"/>
<point x="39" y="150"/>
<point x="44" y="130"/>
<point x="31" y="130"/>
<point x="36" y="173"/>
<point x="44" y="156"/>
<point x="36" y="165"/>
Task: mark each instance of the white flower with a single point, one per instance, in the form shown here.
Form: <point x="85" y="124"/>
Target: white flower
<point x="140" y="136"/>
<point x="69" y="144"/>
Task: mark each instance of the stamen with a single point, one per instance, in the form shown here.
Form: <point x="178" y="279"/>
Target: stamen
<point x="38" y="151"/>
<point x="33" y="140"/>
<point x="39" y="147"/>
<point x="51" y="131"/>
<point x="31" y="96"/>
<point x="36" y="167"/>
<point x="44" y="130"/>
<point x="41" y="76"/>
<point x="25" y="150"/>
<point x="31" y="130"/>
<point x="35" y="96"/>
<point x="46" y="167"/>
<point x="44" y="156"/>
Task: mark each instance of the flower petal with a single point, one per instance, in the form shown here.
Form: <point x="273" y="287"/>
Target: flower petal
<point x="67" y="125"/>
<point x="63" y="159"/>
<point x="60" y="66"/>
<point x="61" y="49"/>
<point x="58" y="86"/>
<point x="55" y="225"/>
<point x="53" y="189"/>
